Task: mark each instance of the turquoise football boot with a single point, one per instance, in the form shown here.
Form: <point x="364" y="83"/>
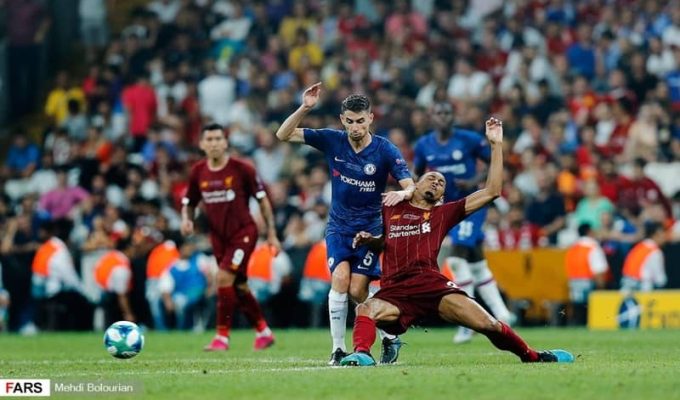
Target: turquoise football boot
<point x="358" y="359"/>
<point x="560" y="356"/>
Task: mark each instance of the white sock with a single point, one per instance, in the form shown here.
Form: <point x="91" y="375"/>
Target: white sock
<point x="337" y="313"/>
<point x="463" y="276"/>
<point x="488" y="290"/>
<point x="371" y="291"/>
<point x="264" y="332"/>
<point x="384" y="335"/>
<point x="222" y="338"/>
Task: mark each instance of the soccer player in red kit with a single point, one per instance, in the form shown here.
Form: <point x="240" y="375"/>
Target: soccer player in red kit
<point x="225" y="184"/>
<point x="412" y="288"/>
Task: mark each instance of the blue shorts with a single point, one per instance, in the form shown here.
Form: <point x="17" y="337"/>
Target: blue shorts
<point x="469" y="231"/>
<point x="361" y="260"/>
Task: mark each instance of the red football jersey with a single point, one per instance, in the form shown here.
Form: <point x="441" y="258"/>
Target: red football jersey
<point x="225" y="194"/>
<point x="413" y="236"/>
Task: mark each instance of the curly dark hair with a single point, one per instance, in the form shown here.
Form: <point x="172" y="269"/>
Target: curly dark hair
<point x="356" y="103"/>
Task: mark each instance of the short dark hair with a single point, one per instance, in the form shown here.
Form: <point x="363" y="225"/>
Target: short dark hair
<point x="212" y="127"/>
<point x="356" y="103"/>
<point x="73" y="106"/>
<point x="123" y="244"/>
<point x="584" y="229"/>
<point x="640" y="162"/>
<point x="651" y="228"/>
<point x="60" y="228"/>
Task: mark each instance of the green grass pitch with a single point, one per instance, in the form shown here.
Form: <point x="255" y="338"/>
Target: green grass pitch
<point x="609" y="365"/>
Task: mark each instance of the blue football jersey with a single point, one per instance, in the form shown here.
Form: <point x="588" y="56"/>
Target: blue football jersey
<point x="357" y="179"/>
<point x="455" y="159"/>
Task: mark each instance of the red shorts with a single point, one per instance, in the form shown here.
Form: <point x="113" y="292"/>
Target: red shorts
<point x="417" y="296"/>
<point x="233" y="255"/>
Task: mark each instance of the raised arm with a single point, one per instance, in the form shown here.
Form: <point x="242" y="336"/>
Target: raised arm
<point x="494" y="179"/>
<point x="289" y="131"/>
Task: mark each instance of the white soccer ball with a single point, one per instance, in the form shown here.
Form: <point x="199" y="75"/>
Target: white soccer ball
<point x="123" y="339"/>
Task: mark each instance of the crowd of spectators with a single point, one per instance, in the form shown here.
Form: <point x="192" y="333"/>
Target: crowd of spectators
<point x="588" y="91"/>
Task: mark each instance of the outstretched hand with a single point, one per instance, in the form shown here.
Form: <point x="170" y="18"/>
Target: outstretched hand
<point x="361" y="239"/>
<point x="311" y="95"/>
<point x="393" y="198"/>
<point x="494" y="130"/>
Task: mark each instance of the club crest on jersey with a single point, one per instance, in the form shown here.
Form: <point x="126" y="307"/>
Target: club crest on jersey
<point x="457" y="154"/>
<point x="369" y="169"/>
<point x="227" y="181"/>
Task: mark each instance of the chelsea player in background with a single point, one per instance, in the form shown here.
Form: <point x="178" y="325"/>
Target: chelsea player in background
<point x="454" y="153"/>
<point x="359" y="165"/>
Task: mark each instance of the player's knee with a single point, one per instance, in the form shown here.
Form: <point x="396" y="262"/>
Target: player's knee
<point x="358" y="293"/>
<point x="363" y="309"/>
<point x="460" y="268"/>
<point x="480" y="271"/>
<point x="340" y="281"/>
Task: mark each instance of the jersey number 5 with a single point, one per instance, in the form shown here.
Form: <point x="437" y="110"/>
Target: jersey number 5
<point x="368" y="259"/>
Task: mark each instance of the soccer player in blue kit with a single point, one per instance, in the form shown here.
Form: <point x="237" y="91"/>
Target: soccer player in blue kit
<point x="454" y="153"/>
<point x="359" y="165"/>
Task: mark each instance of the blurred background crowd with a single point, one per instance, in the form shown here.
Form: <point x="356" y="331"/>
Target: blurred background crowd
<point x="588" y="91"/>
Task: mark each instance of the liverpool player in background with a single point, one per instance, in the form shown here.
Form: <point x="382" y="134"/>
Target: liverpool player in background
<point x="359" y="164"/>
<point x="225" y="185"/>
<point x="412" y="288"/>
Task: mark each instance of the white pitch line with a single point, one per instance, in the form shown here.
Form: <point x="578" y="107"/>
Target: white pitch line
<point x="155" y="361"/>
<point x="193" y="371"/>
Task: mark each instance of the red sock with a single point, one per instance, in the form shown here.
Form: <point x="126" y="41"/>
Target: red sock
<point x="508" y="340"/>
<point x="252" y="310"/>
<point x="364" y="333"/>
<point x="226" y="303"/>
